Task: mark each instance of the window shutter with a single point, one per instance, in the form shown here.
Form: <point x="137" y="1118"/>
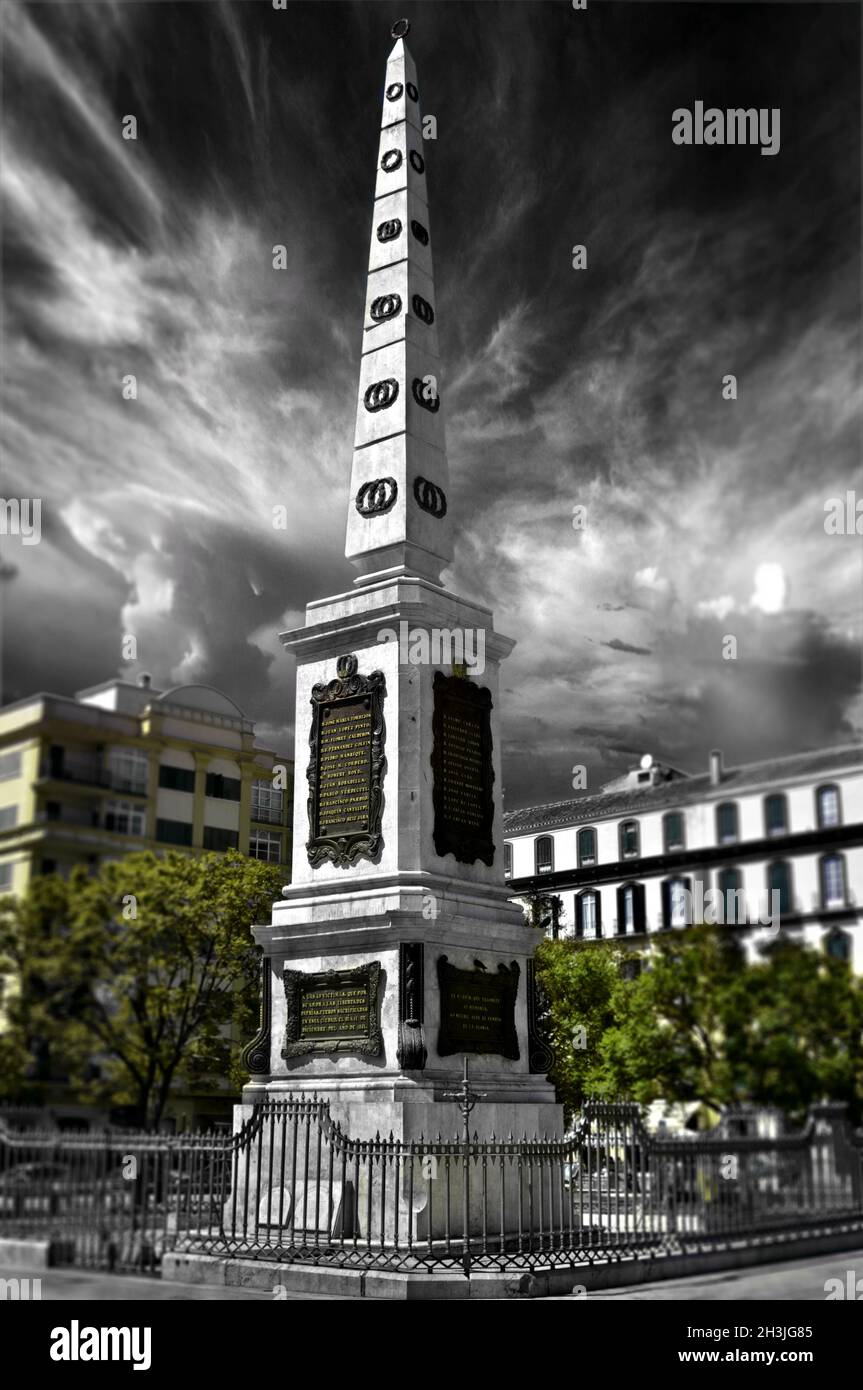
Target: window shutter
<point x="597" y="898"/>
<point x="666" y="903"/>
<point x="639" y="911"/>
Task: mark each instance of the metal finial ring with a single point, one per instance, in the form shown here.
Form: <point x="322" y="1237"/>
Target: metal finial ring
<point x="400" y="28"/>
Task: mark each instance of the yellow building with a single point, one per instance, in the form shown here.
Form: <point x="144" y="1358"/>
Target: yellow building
<point x="124" y="767"/>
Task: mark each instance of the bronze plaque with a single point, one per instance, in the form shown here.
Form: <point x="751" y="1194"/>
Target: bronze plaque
<point x="332" y="1011"/>
<point x="346" y="766"/>
<point x="462" y="769"/>
<point x="477" y="1010"/>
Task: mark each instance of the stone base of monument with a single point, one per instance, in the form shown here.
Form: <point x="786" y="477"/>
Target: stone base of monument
<point x="300" y="1178"/>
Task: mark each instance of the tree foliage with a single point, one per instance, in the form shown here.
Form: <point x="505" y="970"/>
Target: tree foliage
<point x="140" y="978"/>
<point x="702" y="1024"/>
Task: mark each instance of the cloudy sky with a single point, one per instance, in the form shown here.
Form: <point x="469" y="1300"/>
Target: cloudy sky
<point x="599" y="388"/>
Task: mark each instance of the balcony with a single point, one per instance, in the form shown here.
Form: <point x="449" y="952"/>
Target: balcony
<point x="84" y="771"/>
<point x="90" y="772"/>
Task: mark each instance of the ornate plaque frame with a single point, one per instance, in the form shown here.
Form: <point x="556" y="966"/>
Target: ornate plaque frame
<point x="467" y="845"/>
<point x="504" y="984"/>
<point x="344" y="850"/>
<point x="300" y="982"/>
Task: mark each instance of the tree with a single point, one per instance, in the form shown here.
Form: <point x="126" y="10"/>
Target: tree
<point x="580" y="981"/>
<point x="702" y="1024"/>
<point x="148" y="969"/>
<point x="669" y="1038"/>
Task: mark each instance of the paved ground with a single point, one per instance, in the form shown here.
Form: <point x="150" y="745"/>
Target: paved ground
<point x="794" y="1280"/>
<point x="69" y="1285"/>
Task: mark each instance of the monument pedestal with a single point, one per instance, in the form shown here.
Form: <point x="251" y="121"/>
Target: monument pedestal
<point x="386" y="970"/>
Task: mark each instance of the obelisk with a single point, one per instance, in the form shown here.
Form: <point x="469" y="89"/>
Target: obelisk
<point x="395" y="951"/>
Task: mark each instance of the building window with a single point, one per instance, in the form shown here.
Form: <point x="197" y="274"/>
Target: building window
<point x="630" y="908"/>
<point x="267" y="802"/>
<point x="266" y="845"/>
<point x="125" y="818"/>
<point x="587" y="846"/>
<point x="628" y="839"/>
<point x="507" y="859"/>
<point x="733" y="898"/>
<point x="676" y="903"/>
<point x="672" y="827"/>
<point x="779" y="881"/>
<point x="588" y="914"/>
<point x="828" y="807"/>
<point x="225" y="788"/>
<point x="49" y="866"/>
<point x="838" y="945"/>
<point x="832" y="881"/>
<point x="129" y="769"/>
<point x="10" y="766"/>
<point x="174" y="832"/>
<point x="726" y="823"/>
<point x="217" y="838"/>
<point x="8" y="817"/>
<point x="775" y="814"/>
<point x="544" y="854"/>
<point x="5" y="877"/>
<point x="177" y="779"/>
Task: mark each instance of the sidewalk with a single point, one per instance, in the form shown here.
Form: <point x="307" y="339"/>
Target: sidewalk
<point x="93" y="1285"/>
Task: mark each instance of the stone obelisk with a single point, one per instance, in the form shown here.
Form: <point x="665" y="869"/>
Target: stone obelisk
<point x="395" y="951"/>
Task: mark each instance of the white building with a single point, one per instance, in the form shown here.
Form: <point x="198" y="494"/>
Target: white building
<point x="642" y="855"/>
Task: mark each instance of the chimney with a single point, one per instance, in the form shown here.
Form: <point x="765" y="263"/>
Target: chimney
<point x="715" y="766"/>
<point x="145" y="680"/>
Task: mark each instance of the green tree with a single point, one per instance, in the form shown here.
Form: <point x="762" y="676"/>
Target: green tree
<point x="801" y="1030"/>
<point x="148" y="969"/>
<point x="580" y="982"/>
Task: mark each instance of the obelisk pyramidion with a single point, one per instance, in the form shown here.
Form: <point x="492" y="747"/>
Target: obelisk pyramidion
<point x="395" y="951"/>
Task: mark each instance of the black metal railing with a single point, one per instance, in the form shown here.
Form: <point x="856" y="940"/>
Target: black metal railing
<point x="292" y="1186"/>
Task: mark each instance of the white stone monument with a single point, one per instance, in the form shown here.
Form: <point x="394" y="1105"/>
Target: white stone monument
<point x="395" y="951"/>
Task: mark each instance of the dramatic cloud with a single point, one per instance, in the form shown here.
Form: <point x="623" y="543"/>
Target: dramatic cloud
<point x="600" y="389"/>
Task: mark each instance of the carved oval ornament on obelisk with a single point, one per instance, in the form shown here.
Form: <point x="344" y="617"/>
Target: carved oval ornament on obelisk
<point x="346" y="766"/>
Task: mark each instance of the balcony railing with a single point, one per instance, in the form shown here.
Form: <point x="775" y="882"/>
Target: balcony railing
<point x="267" y="815"/>
<point x="89" y="772"/>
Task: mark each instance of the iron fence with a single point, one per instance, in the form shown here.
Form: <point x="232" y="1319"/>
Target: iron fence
<point x="291" y="1186"/>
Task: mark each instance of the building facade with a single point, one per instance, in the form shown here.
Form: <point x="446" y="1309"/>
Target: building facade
<point x="123" y="767"/>
<point x="775" y="845"/>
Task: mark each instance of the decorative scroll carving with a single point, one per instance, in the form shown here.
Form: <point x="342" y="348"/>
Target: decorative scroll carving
<point x="381" y="394"/>
<point x="417" y="162"/>
<point x="394" y="91"/>
<point x="539" y="1050"/>
<point x="255" y="1056"/>
<point x="391" y="160"/>
<point x="462" y="791"/>
<point x="422" y="309"/>
<point x="386" y="306"/>
<point x="419" y="232"/>
<point x="412" y="1053"/>
<point x="430" y="497"/>
<point x="477" y="1009"/>
<point x="376" y="497"/>
<point x="389" y="230"/>
<point x="333" y="1011"/>
<point x="346" y="767"/>
<point x="427" y="397"/>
